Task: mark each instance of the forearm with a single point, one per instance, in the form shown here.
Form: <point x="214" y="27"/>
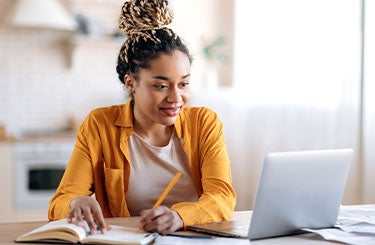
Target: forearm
<point x="76" y="181"/>
<point x="59" y="206"/>
<point x="215" y="204"/>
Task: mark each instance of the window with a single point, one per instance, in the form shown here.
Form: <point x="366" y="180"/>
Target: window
<point x="297" y="52"/>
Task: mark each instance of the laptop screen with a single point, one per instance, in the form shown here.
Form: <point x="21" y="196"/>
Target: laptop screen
<point x="299" y="189"/>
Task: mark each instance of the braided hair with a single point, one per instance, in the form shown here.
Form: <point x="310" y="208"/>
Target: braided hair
<point x="144" y="24"/>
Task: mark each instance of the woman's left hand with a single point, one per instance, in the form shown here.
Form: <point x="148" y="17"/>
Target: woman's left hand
<point x="161" y="220"/>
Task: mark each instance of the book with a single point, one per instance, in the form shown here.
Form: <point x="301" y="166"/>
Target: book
<point x="60" y="231"/>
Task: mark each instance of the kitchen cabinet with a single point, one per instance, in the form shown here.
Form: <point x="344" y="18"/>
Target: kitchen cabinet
<point x="8" y="212"/>
<point x="80" y="49"/>
<point x="8" y="208"/>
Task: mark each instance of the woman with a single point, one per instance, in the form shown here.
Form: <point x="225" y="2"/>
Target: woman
<point x="125" y="155"/>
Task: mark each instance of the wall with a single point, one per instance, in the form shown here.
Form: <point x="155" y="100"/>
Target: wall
<point x="200" y="23"/>
<point x="47" y="77"/>
<point x="369" y="108"/>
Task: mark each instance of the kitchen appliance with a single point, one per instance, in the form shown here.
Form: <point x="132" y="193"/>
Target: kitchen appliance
<point x="38" y="168"/>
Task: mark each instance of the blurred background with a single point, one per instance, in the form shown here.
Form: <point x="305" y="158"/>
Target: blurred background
<point x="282" y="76"/>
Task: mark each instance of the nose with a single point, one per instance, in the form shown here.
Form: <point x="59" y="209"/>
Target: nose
<point x="175" y="95"/>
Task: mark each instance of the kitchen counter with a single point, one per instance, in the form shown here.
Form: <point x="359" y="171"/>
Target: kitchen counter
<point x="42" y="136"/>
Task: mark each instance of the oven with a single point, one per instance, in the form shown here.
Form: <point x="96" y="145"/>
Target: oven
<point x="38" y="169"/>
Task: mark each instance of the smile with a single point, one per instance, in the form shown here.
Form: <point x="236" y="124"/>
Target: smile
<point x="171" y="111"/>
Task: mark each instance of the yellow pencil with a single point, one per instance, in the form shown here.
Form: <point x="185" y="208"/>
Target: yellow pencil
<point x="167" y="190"/>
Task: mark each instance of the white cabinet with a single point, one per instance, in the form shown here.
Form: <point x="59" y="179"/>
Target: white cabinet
<point x="8" y="212"/>
<point x="6" y="184"/>
<point x="8" y="208"/>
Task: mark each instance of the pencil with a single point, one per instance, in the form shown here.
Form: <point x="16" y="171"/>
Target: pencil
<point x="167" y="190"/>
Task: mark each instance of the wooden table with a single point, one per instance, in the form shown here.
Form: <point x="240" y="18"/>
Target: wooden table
<point x="10" y="231"/>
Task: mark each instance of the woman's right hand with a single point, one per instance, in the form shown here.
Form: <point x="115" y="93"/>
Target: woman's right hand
<point x="87" y="208"/>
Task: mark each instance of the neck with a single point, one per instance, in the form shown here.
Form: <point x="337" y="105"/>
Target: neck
<point x="157" y="135"/>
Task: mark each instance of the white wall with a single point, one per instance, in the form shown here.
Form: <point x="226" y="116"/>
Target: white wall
<point x="47" y="77"/>
<point x="369" y="102"/>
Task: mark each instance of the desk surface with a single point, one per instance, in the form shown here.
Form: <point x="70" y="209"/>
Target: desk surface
<point x="10" y="231"/>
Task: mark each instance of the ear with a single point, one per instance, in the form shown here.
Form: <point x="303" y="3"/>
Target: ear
<point x="129" y="83"/>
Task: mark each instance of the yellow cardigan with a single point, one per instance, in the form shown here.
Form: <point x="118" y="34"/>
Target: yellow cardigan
<point x="100" y="165"/>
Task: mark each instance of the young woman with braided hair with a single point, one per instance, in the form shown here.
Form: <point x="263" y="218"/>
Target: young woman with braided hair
<point x="127" y="154"/>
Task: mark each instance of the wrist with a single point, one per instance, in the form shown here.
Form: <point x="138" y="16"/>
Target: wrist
<point x="179" y="220"/>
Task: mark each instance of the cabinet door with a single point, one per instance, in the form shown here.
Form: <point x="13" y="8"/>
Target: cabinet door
<point x="6" y="181"/>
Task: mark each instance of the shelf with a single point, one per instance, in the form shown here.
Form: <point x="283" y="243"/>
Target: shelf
<point x="85" y="45"/>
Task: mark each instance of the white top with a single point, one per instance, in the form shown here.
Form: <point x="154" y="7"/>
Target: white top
<point x="152" y="168"/>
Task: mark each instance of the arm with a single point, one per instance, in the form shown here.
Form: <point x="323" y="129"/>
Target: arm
<point x="73" y="196"/>
<point x="208" y="160"/>
<point x="210" y="167"/>
<point x="76" y="181"/>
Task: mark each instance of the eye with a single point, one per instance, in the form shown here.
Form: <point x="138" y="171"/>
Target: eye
<point x="161" y="86"/>
<point x="184" y="85"/>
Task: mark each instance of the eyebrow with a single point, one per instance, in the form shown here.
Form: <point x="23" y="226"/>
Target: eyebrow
<point x="166" y="78"/>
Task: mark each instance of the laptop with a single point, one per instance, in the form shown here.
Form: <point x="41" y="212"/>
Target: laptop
<point x="296" y="190"/>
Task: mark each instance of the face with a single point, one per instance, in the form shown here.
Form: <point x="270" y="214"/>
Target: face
<point x="161" y="90"/>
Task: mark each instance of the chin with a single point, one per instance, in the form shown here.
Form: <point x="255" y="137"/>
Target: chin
<point x="169" y="122"/>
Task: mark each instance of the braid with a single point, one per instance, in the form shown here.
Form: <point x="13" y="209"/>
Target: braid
<point x="143" y="15"/>
<point x="139" y="19"/>
<point x="144" y="24"/>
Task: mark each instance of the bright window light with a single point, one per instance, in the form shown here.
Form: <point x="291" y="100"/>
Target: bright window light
<point x="295" y="52"/>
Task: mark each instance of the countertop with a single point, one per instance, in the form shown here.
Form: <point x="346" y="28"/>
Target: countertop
<point x="41" y="136"/>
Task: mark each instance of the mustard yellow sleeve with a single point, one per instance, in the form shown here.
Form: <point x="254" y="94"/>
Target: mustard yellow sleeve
<point x="210" y="165"/>
<point x="77" y="179"/>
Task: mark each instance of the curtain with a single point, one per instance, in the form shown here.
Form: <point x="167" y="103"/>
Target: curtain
<point x="297" y="86"/>
<point x="369" y="103"/>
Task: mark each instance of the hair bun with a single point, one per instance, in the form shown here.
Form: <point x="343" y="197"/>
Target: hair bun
<point x="142" y="15"/>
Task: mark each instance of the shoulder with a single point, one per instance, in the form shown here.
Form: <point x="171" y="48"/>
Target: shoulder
<point x="199" y="123"/>
<point x="191" y="110"/>
<point x="102" y="118"/>
<point x="104" y="115"/>
<point x="198" y="114"/>
<point x="106" y="112"/>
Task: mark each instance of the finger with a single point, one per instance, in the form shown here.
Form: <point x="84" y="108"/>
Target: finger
<point x="147" y="216"/>
<point x="159" y="223"/>
<point x="98" y="216"/>
<point x="162" y="229"/>
<point x="165" y="229"/>
<point x="167" y="223"/>
<point x="78" y="217"/>
<point x="154" y="212"/>
<point x="89" y="219"/>
<point x="70" y="217"/>
<point x="154" y="227"/>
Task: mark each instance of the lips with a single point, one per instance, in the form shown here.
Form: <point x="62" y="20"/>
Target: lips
<point x="171" y="111"/>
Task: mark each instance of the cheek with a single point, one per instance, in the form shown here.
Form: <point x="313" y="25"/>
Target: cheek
<point x="145" y="94"/>
<point x="151" y="98"/>
<point x="186" y="96"/>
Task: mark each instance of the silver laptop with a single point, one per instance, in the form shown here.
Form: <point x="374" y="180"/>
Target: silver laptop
<point x="296" y="190"/>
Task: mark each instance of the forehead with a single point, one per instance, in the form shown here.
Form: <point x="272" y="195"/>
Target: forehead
<point x="177" y="61"/>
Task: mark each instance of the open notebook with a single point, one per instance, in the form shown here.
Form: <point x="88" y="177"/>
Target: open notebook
<point x="299" y="189"/>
